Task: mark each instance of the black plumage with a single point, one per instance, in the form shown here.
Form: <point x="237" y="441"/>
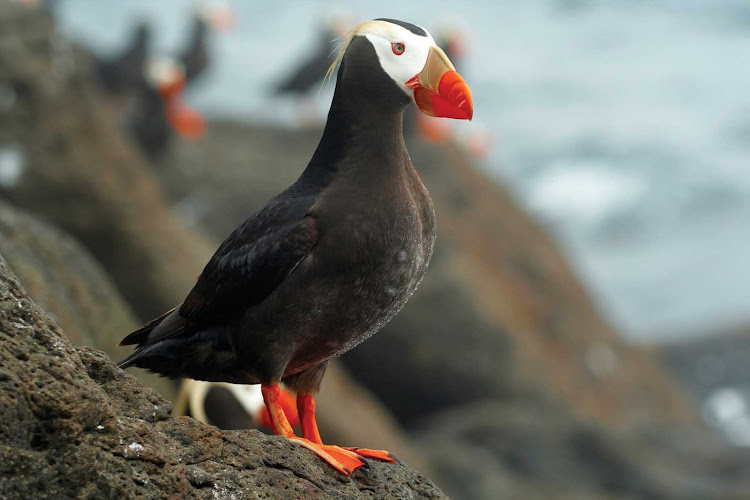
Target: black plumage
<point x="194" y="56"/>
<point x="147" y="121"/>
<point x="322" y="266"/>
<point x="124" y="71"/>
<point x="313" y="69"/>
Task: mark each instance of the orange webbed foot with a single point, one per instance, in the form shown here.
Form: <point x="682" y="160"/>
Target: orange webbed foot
<point x="382" y="455"/>
<point x="341" y="459"/>
<point x="345" y="460"/>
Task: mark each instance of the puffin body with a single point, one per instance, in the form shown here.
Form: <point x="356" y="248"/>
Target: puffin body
<point x="158" y="108"/>
<point x="330" y="260"/>
<point x="148" y="123"/>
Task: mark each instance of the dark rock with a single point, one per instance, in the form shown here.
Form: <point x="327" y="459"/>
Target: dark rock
<point x="76" y="426"/>
<point x="708" y="364"/>
<point x="69" y="285"/>
<point x="527" y="450"/>
<point x="716" y="369"/>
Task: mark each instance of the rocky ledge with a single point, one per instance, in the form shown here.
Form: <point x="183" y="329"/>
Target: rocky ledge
<point x="75" y="426"/>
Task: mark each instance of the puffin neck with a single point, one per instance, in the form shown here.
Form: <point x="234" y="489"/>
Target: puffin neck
<point x="360" y="131"/>
<point x="198" y="32"/>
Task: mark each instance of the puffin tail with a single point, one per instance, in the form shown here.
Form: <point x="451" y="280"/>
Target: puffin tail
<point x="134" y="356"/>
<point x="141" y="335"/>
<point x="155" y="340"/>
<point x="150" y="339"/>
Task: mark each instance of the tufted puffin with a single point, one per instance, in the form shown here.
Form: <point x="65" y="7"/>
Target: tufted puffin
<point x="328" y="261"/>
<point x="158" y="108"/>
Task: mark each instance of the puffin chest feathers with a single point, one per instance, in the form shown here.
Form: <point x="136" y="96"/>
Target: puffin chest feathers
<point x="374" y="257"/>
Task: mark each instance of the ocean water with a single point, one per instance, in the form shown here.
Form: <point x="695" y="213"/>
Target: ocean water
<point x="625" y="126"/>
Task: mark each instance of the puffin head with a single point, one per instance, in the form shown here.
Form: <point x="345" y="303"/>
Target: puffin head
<point x="409" y="57"/>
<point x="165" y="74"/>
<point x="167" y="77"/>
<point x="215" y="13"/>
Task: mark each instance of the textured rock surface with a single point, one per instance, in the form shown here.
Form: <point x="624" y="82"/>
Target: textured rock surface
<point x="65" y="280"/>
<point x="75" y="426"/>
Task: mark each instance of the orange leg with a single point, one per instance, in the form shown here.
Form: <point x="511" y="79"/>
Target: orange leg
<point x="343" y="460"/>
<point x="288" y="405"/>
<point x="306" y="410"/>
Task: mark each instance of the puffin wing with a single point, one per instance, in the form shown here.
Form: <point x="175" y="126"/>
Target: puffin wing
<point x="246" y="268"/>
<point x="251" y="263"/>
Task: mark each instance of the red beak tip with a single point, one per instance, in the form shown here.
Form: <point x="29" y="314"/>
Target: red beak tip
<point x="452" y="99"/>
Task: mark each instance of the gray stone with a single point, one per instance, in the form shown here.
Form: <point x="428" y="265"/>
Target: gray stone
<point x="75" y="426"/>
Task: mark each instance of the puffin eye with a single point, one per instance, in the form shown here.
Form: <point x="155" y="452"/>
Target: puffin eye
<point x="398" y="48"/>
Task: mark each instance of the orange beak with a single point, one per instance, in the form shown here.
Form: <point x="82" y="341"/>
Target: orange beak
<point x="171" y="90"/>
<point x="184" y="120"/>
<point x="439" y="90"/>
<point x="223" y="20"/>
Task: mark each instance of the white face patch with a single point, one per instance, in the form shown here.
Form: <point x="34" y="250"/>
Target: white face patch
<point x="401" y="68"/>
<point x="160" y="71"/>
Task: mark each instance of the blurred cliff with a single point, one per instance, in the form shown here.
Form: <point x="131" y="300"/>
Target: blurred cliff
<point x="500" y="376"/>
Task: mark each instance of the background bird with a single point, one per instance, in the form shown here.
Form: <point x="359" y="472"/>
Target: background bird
<point x="327" y="262"/>
<point x="123" y="72"/>
<point x="158" y="109"/>
<point x="312" y="69"/>
<point x="195" y="57"/>
<point x="230" y="406"/>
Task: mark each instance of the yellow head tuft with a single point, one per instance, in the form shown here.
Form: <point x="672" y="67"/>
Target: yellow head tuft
<point x="382" y="28"/>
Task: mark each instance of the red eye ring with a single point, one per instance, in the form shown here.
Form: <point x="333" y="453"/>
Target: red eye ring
<point x="398" y="48"/>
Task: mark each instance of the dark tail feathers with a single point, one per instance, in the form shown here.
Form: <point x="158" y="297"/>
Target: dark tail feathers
<point x="151" y="336"/>
<point x="140" y="335"/>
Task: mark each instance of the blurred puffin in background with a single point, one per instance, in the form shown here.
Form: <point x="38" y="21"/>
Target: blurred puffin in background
<point x="149" y="89"/>
<point x="330" y="260"/>
<point x="304" y="81"/>
<point x="158" y="108"/>
<point x="312" y="70"/>
<point x="231" y="406"/>
<point x="123" y="72"/>
<point x="195" y="56"/>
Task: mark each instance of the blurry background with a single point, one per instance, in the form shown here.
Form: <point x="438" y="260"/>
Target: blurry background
<point x="623" y="129"/>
